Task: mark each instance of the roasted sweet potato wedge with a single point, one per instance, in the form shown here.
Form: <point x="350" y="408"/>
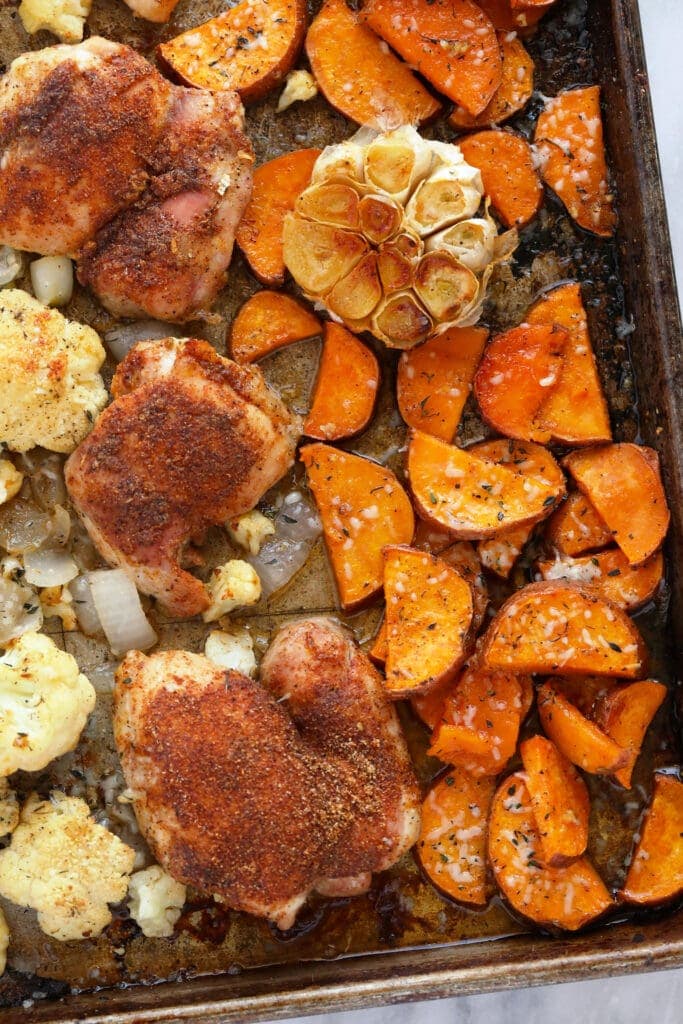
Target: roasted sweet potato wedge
<point x="429" y="621"/>
<point x="513" y="93"/>
<point x="566" y="897"/>
<point x="559" y="801"/>
<point x="584" y="692"/>
<point x="575" y="412"/>
<point x="277" y="186"/>
<point x="610" y="575"/>
<point x="249" y="48"/>
<point x="505" y="19"/>
<point x="345" y="388"/>
<point x="570" y="140"/>
<point x="451" y="42"/>
<point x="378" y="652"/>
<point x="429" y="707"/>
<point x="499" y="554"/>
<point x="363" y="509"/>
<point x="508" y="173"/>
<point x="434" y="380"/>
<point x="268" y="321"/>
<point x="623" y="484"/>
<point x="464" y="559"/>
<point x="563" y="628"/>
<point x="656" y="871"/>
<point x="359" y="76"/>
<point x="451" y="849"/>
<point x="581" y="741"/>
<point x="625" y="713"/>
<point x="516" y="375"/>
<point x="575" y="527"/>
<point x="471" y="496"/>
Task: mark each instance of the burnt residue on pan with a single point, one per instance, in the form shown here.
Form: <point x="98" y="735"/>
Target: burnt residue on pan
<point x="402" y="909"/>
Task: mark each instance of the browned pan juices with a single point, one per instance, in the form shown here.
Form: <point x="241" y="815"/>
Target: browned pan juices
<point x="574" y="46"/>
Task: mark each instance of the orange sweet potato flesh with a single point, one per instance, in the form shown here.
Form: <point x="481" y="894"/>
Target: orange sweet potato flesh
<point x="451" y="849"/>
<point x="575" y="412"/>
<point x="584" y="692"/>
<point x="429" y="707"/>
<point x="434" y="380"/>
<point x="513" y="93"/>
<point x="464" y="559"/>
<point x="566" y="897"/>
<point x="450" y="42"/>
<point x="479" y="723"/>
<point x="656" y="871"/>
<point x="610" y="575"/>
<point x="515" y="377"/>
<point x="559" y="800"/>
<point x="361" y="502"/>
<point x="562" y="628"/>
<point x="575" y="527"/>
<point x="345" y="388"/>
<point x="625" y="713"/>
<point x="499" y="554"/>
<point x="622" y="482"/>
<point x="581" y="741"/>
<point x="429" y="620"/>
<point x="570" y="139"/>
<point x="505" y="19"/>
<point x="249" y="48"/>
<point x="474" y="497"/>
<point x="508" y="174"/>
<point x="378" y="652"/>
<point x="342" y="51"/>
<point x="277" y="186"/>
<point x="268" y="321"/>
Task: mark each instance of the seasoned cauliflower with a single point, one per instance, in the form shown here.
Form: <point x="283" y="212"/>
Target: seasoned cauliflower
<point x="10" y="480"/>
<point x="232" y="649"/>
<point x="250" y="530"/>
<point x="58" y="602"/>
<point x="20" y="608"/>
<point x="155" y="901"/>
<point x="50" y="390"/>
<point x="44" y="703"/>
<point x="65" y="866"/>
<point x="300" y="86"/>
<point x="9" y="810"/>
<point x="231" y="585"/>
<point x="65" y="18"/>
<point x="4" y="942"/>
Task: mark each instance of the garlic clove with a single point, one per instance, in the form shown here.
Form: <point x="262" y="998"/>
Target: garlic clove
<point x="356" y="295"/>
<point x="446" y="287"/>
<point x="333" y="202"/>
<point x="401" y="322"/>
<point x="397" y="160"/>
<point x="380" y="218"/>
<point x="451" y="193"/>
<point x="319" y="255"/>
<point x="471" y="241"/>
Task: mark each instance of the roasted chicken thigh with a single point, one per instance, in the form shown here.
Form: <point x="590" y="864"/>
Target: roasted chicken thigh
<point x="260" y="793"/>
<point x="190" y="440"/>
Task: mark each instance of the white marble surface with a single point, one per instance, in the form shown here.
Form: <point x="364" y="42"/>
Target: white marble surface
<point x="640" y="999"/>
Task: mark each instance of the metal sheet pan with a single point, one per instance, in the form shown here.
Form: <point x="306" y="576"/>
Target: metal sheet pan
<point x="341" y="957"/>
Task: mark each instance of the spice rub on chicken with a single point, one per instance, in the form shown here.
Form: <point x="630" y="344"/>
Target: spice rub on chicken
<point x="260" y="793"/>
<point x="142" y="181"/>
<point x="190" y="440"/>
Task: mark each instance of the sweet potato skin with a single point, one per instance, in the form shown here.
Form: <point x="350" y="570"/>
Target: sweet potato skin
<point x="529" y="632"/>
<point x="580" y="740"/>
<point x="341" y="49"/>
<point x="656" y="872"/>
<point x="625" y="713"/>
<point x="451" y="849"/>
<point x="467" y="69"/>
<point x="358" y="500"/>
<point x="559" y="800"/>
<point x="513" y="93"/>
<point x="429" y="619"/>
<point x="277" y="186"/>
<point x="508" y="173"/>
<point x="199" y="57"/>
<point x="435" y="379"/>
<point x="566" y="897"/>
<point x="268" y="321"/>
<point x="576" y="528"/>
<point x="611" y="576"/>
<point x="345" y="388"/>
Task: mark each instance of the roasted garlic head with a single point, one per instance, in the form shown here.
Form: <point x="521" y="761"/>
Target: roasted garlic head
<point x="393" y="236"/>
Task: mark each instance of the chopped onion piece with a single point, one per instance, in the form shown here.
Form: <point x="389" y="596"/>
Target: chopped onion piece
<point x="11" y="264"/>
<point x="297" y="527"/>
<point x="121" y="339"/>
<point x="118" y="606"/>
<point x="84" y="607"/>
<point x="49" y="567"/>
<point x="52" y="278"/>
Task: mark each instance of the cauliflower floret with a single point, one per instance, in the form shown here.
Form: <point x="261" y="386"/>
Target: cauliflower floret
<point x="9" y="810"/>
<point x="65" y="18"/>
<point x="58" y="602"/>
<point x="300" y="86"/>
<point x="10" y="480"/>
<point x="250" y="530"/>
<point x="50" y="390"/>
<point x="20" y="608"/>
<point x="155" y="901"/>
<point x="232" y="649"/>
<point x="65" y="866"/>
<point x="4" y="942"/>
<point x="231" y="585"/>
<point x="44" y="703"/>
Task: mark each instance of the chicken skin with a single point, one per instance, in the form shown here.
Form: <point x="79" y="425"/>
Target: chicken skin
<point x="142" y="181"/>
<point x="261" y="793"/>
<point x="190" y="440"/>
